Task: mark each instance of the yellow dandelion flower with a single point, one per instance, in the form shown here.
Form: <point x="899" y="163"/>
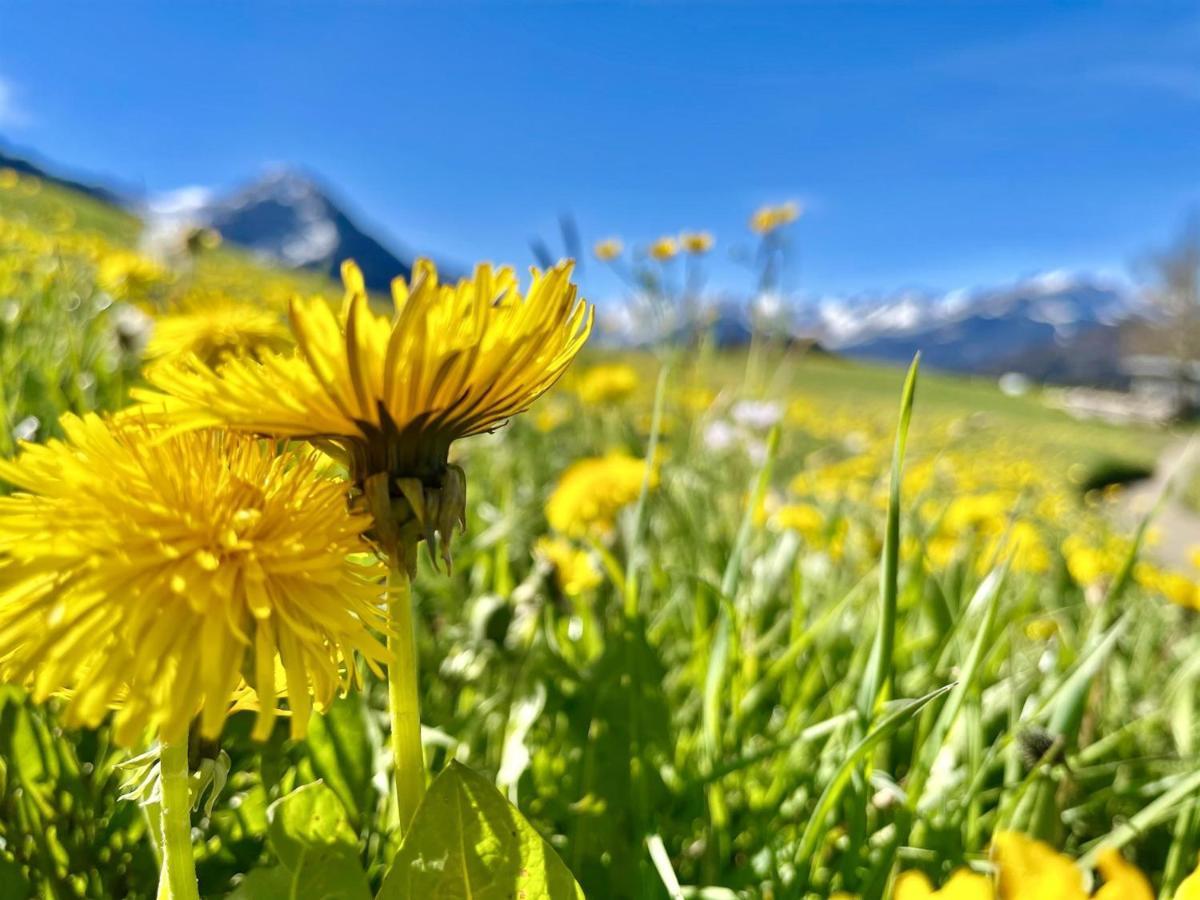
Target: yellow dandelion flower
<point x="962" y="885"/>
<point x="1122" y="879"/>
<point x="591" y="492"/>
<point x="697" y="242"/>
<point x="770" y="218"/>
<point x="1041" y="629"/>
<point x="215" y="331"/>
<point x="608" y="249"/>
<point x="148" y="572"/>
<point x="609" y="383"/>
<point x="664" y="248"/>
<point x="1032" y="870"/>
<point x="801" y="517"/>
<point x="574" y="569"/>
<point x="1189" y="888"/>
<point x="130" y="276"/>
<point x="391" y="393"/>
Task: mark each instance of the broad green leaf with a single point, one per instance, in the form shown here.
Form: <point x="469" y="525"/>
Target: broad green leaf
<point x="311" y="836"/>
<point x="341" y="746"/>
<point x="467" y="841"/>
<point x="274" y="883"/>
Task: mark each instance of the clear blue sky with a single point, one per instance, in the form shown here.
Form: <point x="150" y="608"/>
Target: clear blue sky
<point x="936" y="146"/>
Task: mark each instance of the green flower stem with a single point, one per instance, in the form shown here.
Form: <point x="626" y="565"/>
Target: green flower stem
<point x="179" y="868"/>
<point x="404" y="705"/>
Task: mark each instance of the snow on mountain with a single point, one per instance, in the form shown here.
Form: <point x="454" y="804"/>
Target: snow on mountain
<point x="976" y="331"/>
<point x="285" y="217"/>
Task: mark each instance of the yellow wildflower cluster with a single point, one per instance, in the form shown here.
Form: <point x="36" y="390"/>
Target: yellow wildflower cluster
<point x="1028" y="869"/>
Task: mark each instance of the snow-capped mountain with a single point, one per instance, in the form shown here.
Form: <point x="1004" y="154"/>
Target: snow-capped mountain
<point x="287" y="217"/>
<point x="976" y="331"/>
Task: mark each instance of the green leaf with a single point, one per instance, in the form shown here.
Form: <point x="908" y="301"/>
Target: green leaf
<point x="312" y="837"/>
<point x="468" y="841"/>
<point x="264" y="884"/>
<point x="341" y="746"/>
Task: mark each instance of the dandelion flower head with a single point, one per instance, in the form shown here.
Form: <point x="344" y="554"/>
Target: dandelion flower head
<point x="591" y="492"/>
<point x="696" y="242"/>
<point x="216" y="330"/>
<point x="664" y="248"/>
<point x="608" y="249"/>
<point x="767" y="219"/>
<point x="153" y="573"/>
<point x="389" y="393"/>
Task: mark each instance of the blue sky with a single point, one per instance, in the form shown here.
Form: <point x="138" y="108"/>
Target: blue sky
<point x="935" y="146"/>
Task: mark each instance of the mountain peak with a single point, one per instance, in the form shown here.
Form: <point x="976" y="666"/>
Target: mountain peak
<point x="288" y="217"/>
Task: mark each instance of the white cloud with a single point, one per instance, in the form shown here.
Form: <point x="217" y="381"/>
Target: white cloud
<point x="12" y="114"/>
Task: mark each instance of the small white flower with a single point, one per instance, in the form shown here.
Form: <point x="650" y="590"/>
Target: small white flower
<point x="719" y="436"/>
<point x="757" y="414"/>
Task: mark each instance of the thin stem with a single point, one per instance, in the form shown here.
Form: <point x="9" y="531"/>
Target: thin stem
<point x="404" y="705"/>
<point x="179" y="868"/>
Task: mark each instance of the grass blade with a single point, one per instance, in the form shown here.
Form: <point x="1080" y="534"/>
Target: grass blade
<point x="879" y="667"/>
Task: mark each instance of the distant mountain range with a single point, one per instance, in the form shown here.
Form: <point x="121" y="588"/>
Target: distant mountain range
<point x="1054" y="327"/>
<point x="284" y="216"/>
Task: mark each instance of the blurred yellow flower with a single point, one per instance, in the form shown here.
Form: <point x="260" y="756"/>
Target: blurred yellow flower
<point x="391" y="393"/>
<point x="770" y="218"/>
<point x="608" y="249"/>
<point x="1189" y="888"/>
<point x="801" y="517"/>
<point x="697" y="241"/>
<point x="1089" y="563"/>
<point x="130" y="276"/>
<point x="191" y="558"/>
<point x="1178" y="587"/>
<point x="216" y="330"/>
<point x="607" y="383"/>
<point x="1041" y="629"/>
<point x="664" y="248"/>
<point x="1122" y="880"/>
<point x="550" y="414"/>
<point x="574" y="569"/>
<point x="1032" y="870"/>
<point x="591" y="492"/>
<point x="962" y="885"/>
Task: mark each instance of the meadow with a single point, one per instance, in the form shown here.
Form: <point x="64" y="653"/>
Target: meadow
<point x="718" y="626"/>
